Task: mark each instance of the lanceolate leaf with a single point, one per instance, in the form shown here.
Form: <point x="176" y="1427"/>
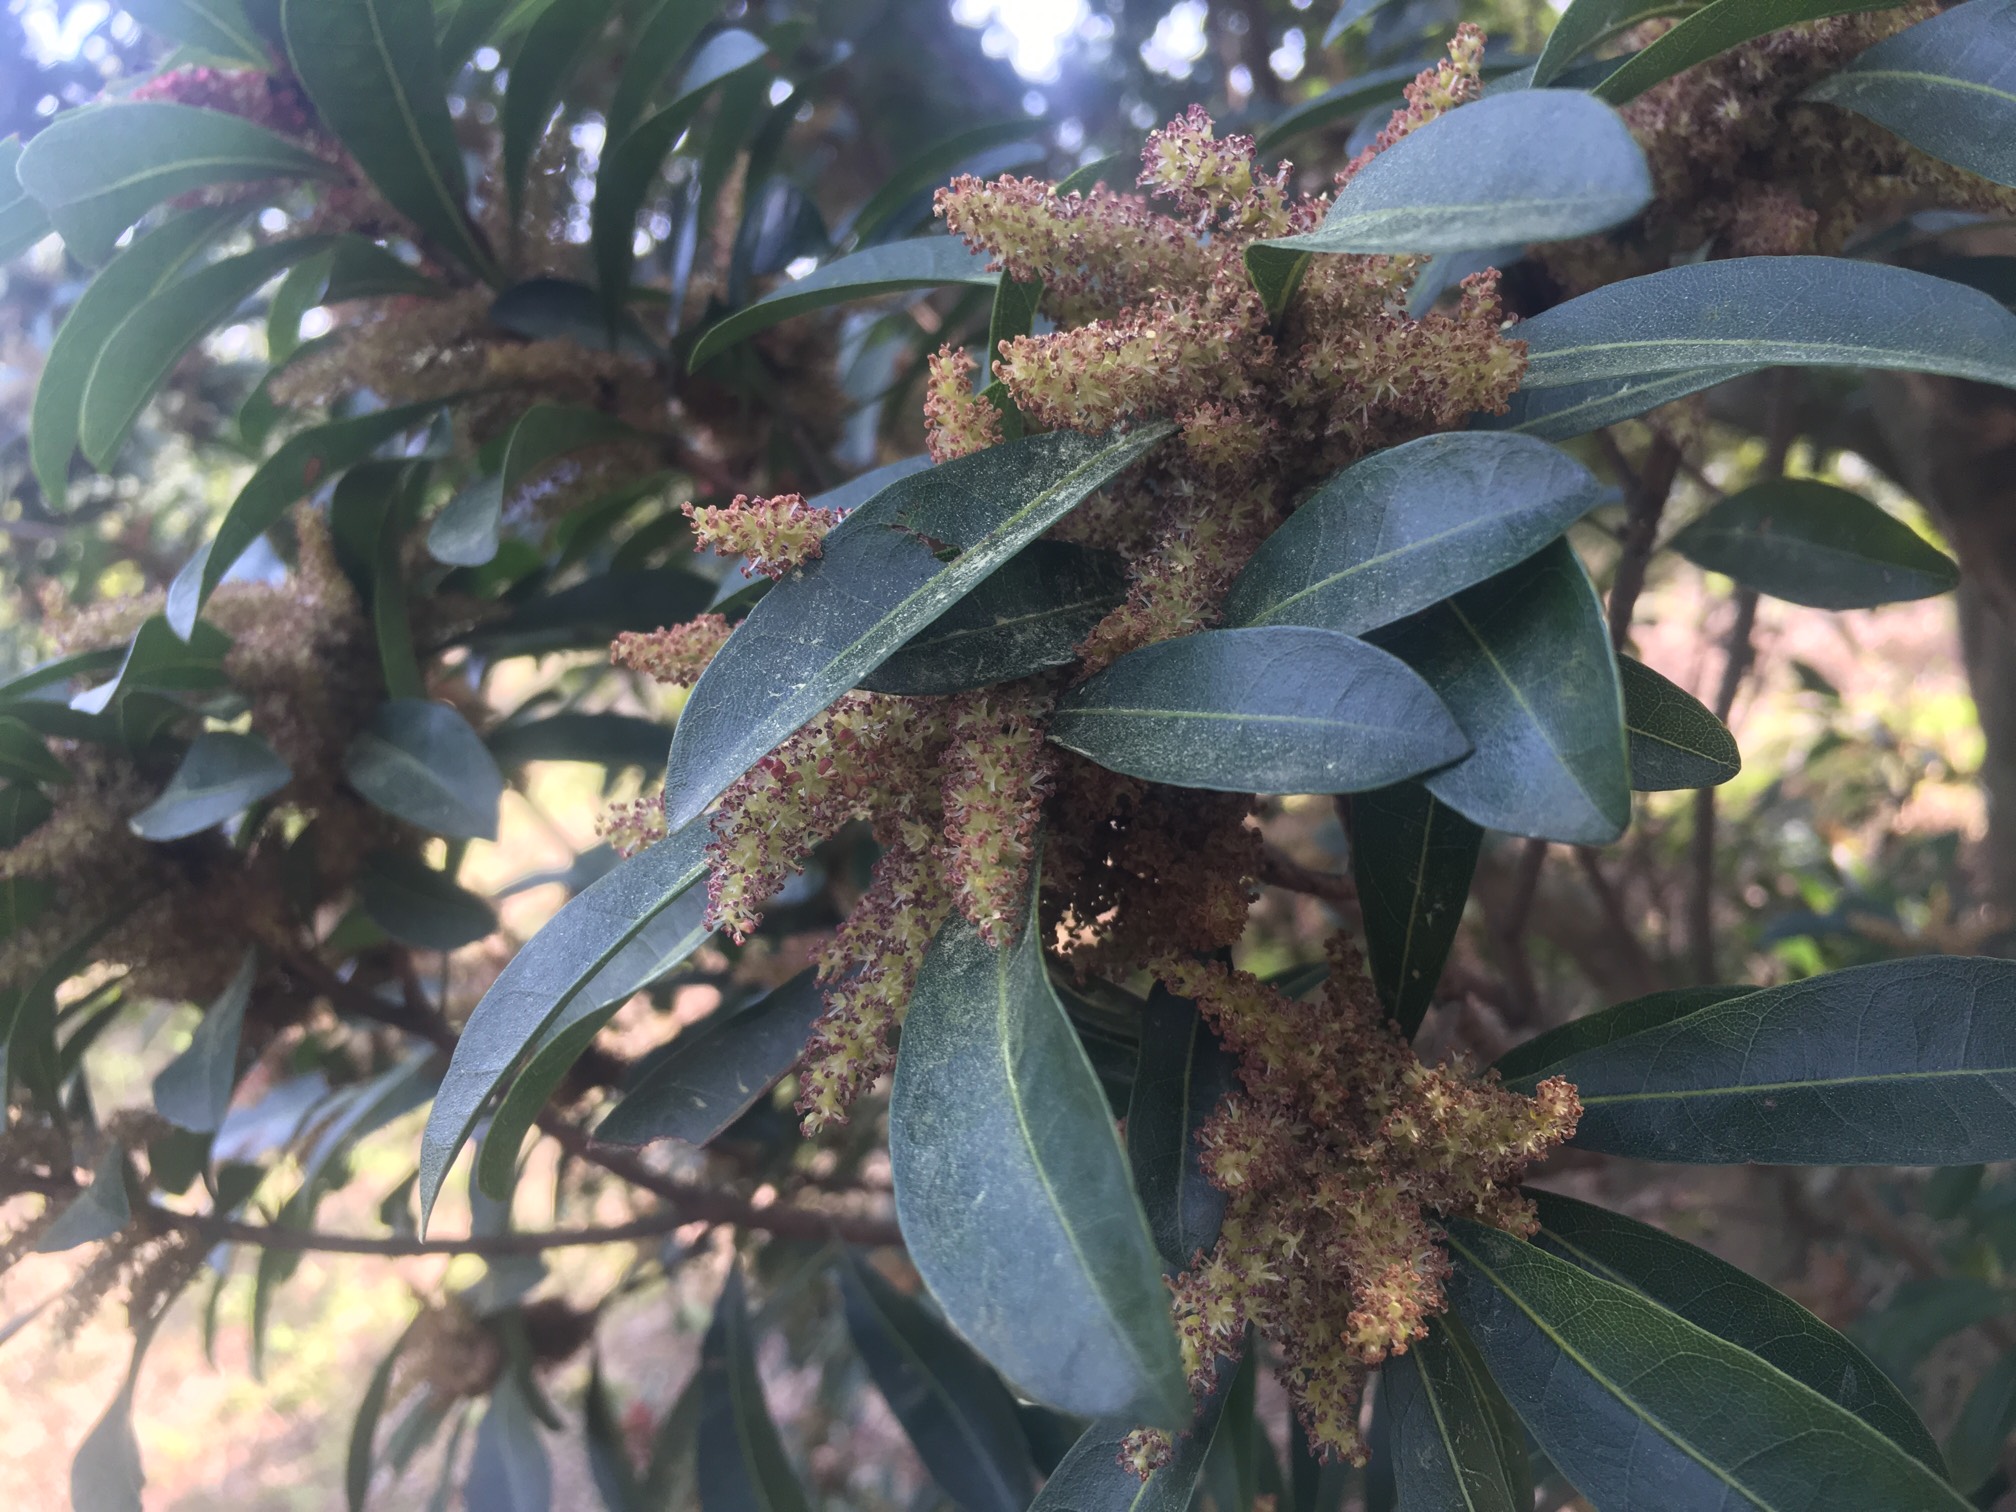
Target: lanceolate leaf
<point x="1013" y="1192"/>
<point x="1026" y="618"/>
<point x="413" y="902"/>
<point x="1815" y="544"/>
<point x="23" y="221"/>
<point x="671" y="28"/>
<point x="1409" y="526"/>
<point x="1532" y="165"/>
<point x="101" y="1210"/>
<point x="98" y="170"/>
<point x="372" y="70"/>
<point x="1524" y="663"/>
<point x="465" y="533"/>
<point x="956" y="1411"/>
<point x="928" y="262"/>
<point x="157" y="660"/>
<point x="297" y="467"/>
<point x="1181" y="1077"/>
<point x="218" y="27"/>
<point x="818" y="632"/>
<point x="742" y="1467"/>
<point x="1456" y="1443"/>
<point x="1945" y="85"/>
<point x="1908" y="1062"/>
<point x="1586" y="23"/>
<point x="1643" y="1410"/>
<point x="1283" y="709"/>
<point x="194" y="1090"/>
<point x="1732" y="1305"/>
<point x="221" y="775"/>
<point x="1576" y="409"/>
<point x="1412" y="857"/>
<point x="558" y="963"/>
<point x="145" y="347"/>
<point x="1675" y="742"/>
<point x="421" y="762"/>
<point x="1526" y="1064"/>
<point x="509" y="1470"/>
<point x="1091" y="1475"/>
<point x="539" y="71"/>
<point x="1704" y="319"/>
<point x="929" y="168"/>
<point x="614" y="740"/>
<point x="715" y="1071"/>
<point x="1716" y="28"/>
<point x="1338" y="104"/>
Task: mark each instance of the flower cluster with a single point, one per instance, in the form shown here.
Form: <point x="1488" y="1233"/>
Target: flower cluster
<point x="778" y="535"/>
<point x="676" y="655"/>
<point x="1335" y="1158"/>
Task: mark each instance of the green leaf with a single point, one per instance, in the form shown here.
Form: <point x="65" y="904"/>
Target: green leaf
<point x="1814" y="544"/>
<point x="465" y="533"/>
<point x="614" y="740"/>
<point x="1182" y="1075"/>
<point x="147" y="345"/>
<point x="742" y="1467"/>
<point x="1524" y="663"/>
<point x="927" y="262"/>
<point x="1409" y="526"/>
<point x="160" y="660"/>
<point x="217" y="27"/>
<point x="930" y="167"/>
<point x="1533" y="165"/>
<point x="594" y="612"/>
<point x="630" y="164"/>
<point x="300" y="465"/>
<point x="1283" y="709"/>
<point x="364" y="1428"/>
<point x="1091" y="1478"/>
<point x="1974" y="1446"/>
<point x="98" y="1212"/>
<point x="1715" y="28"/>
<point x="1052" y="1273"/>
<point x="665" y="37"/>
<point x="540" y="69"/>
<point x="819" y="631"/>
<point x="1731" y="1304"/>
<point x="1336" y="105"/>
<point x="25" y="755"/>
<point x="1942" y="85"/>
<point x="1590" y="23"/>
<point x="715" y="1071"/>
<point x="561" y="962"/>
<point x="23" y="221"/>
<point x="1456" y="1442"/>
<point x="1921" y="1315"/>
<point x="1525" y="1064"/>
<point x="221" y="775"/>
<point x="607" y="1446"/>
<point x="1641" y="1409"/>
<point x="1675" y="742"/>
<point x="955" y="1410"/>
<point x="467" y="24"/>
<point x="1412" y="858"/>
<point x="193" y="1091"/>
<point x="23" y="687"/>
<point x="373" y="72"/>
<point x="1349" y="14"/>
<point x="414" y="903"/>
<point x="509" y="1470"/>
<point x="554" y="309"/>
<point x="98" y="170"/>
<point x="1697" y="323"/>
<point x="1909" y="1062"/>
<point x="1576" y="409"/>
<point x="419" y="761"/>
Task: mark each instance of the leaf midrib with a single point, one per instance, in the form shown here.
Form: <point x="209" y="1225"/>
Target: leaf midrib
<point x="1744" y="1088"/>
<point x="1848" y="351"/>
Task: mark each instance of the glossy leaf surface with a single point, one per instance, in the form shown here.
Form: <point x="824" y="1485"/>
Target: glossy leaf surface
<point x="193" y="1091"/>
<point x="540" y="69"/>
<point x="421" y="762"/>
<point x="741" y="1465"/>
<point x="1585" y="23"/>
<point x="464" y="534"/>
<point x="213" y="26"/>
<point x="1538" y="1056"/>
<point x="1455" y="1442"/>
<point x="1092" y="1477"/>
<point x="414" y="903"/>
<point x="1182" y="1075"/>
<point x="221" y="774"/>
<point x="1715" y="28"/>
<point x="1675" y="741"/>
<point x="1412" y="857"/>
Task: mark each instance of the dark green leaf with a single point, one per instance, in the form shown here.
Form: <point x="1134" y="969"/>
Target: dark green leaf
<point x="23" y="221"/>
<point x="467" y="24"/>
<point x="1092" y="1479"/>
<point x="414" y="903"/>
<point x="1909" y="1062"/>
<point x="956" y="1411"/>
<point x="1528" y="1063"/>
<point x="1349" y="14"/>
<point x="160" y="660"/>
<point x="1576" y="409"/>
<point x="1922" y="1314"/>
<point x="222" y="775"/>
<point x="540" y="68"/>
<point x="560" y="963"/>
<point x="217" y="27"/>
<point x="594" y="612"/>
<point x="614" y="740"/>
<point x="1641" y="1409"/>
<point x="664" y="38"/>
<point x="1713" y="29"/>
<point x="300" y="464"/>
<point x="1675" y="742"/>
<point x="193" y="1091"/>
<point x="1731" y="1304"/>
<point x="1456" y="1442"/>
<point x="1409" y="526"/>
<point x="1814" y="544"/>
<point x="28" y="686"/>
<point x="1589" y="23"/>
<point x="1412" y="858"/>
<point x="1533" y="165"/>
<point x="1181" y="1077"/>
<point x="1053" y="1275"/>
<point x="821" y="630"/>
<point x="22" y="810"/>
<point x="928" y="262"/>
<point x="419" y="761"/>
<point x="930" y="167"/>
<point x="464" y="534"/>
<point x="1943" y="85"/>
<point x="98" y="170"/>
<point x="715" y="1071"/>
<point x="1696" y="323"/>
<point x="1336" y="105"/>
<point x="509" y="1470"/>
<point x="1975" y="1444"/>
<point x="1282" y="709"/>
<point x="24" y="755"/>
<point x="1524" y="663"/>
<point x="98" y="1212"/>
<point x="553" y="309"/>
<point x="742" y="1467"/>
<point x="364" y="1428"/>
<point x="373" y="72"/>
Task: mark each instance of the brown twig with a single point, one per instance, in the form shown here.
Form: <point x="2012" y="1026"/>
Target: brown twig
<point x="1511" y="931"/>
<point x="1612" y="903"/>
<point x="1646" y="491"/>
